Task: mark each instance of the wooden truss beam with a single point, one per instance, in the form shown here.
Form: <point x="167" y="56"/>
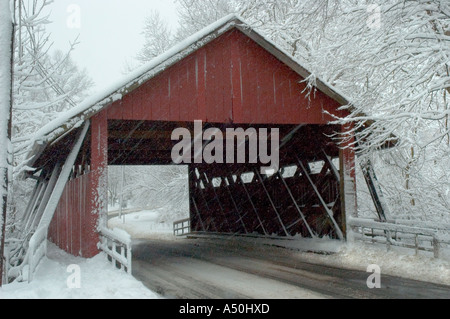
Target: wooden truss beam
<point x="302" y="216"/>
<point x="338" y="230"/>
<point x="260" y="179"/>
<point x="375" y="190"/>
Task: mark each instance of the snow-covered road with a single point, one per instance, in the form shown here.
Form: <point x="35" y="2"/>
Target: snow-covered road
<point x="234" y="269"/>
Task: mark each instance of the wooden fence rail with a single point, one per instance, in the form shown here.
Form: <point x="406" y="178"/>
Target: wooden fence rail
<point x="182" y="227"/>
<point x="117" y="245"/>
<point x="417" y="238"/>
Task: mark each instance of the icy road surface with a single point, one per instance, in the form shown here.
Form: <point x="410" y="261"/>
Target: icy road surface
<point x="233" y="269"/>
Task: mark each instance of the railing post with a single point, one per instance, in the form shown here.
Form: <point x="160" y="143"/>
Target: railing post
<point x="114" y="250"/>
<point x="129" y="259"/>
<point x="122" y="253"/>
<point x="417" y="244"/>
<point x="436" y="247"/>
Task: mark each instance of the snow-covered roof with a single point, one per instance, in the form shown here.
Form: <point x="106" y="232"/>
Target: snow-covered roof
<point x="75" y="117"/>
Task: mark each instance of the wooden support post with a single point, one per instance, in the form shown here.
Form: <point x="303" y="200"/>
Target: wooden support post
<point x="34" y="199"/>
<point x="191" y="184"/>
<point x="47" y="192"/>
<point x="347" y="159"/>
<point x="34" y="203"/>
<point x="416" y="242"/>
<point x="98" y="185"/>
<point x="375" y="190"/>
<point x="52" y="203"/>
<point x="436" y="247"/>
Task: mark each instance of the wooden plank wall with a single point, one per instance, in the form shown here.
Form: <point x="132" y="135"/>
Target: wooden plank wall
<point x="67" y="229"/>
<point x="230" y="80"/>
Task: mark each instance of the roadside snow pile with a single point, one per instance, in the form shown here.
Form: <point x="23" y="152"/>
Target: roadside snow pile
<point x="143" y="225"/>
<point x="98" y="280"/>
<point x="359" y="256"/>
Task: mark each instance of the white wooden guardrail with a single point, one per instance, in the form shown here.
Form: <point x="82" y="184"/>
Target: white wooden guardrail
<point x="117" y="245"/>
<point x="417" y="238"/>
<point x="182" y="227"/>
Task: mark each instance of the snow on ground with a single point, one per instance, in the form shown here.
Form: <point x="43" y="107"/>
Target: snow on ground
<point x="143" y="225"/>
<point x="358" y="256"/>
<point x="397" y="262"/>
<point x="400" y="263"/>
<point x="98" y="280"/>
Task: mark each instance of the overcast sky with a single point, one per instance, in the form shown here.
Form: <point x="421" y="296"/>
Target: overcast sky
<point x="109" y="32"/>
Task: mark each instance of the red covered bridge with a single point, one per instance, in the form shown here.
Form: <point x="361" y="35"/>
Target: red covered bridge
<point x="227" y="76"/>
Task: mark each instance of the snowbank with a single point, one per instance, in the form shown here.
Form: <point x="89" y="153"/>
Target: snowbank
<point x="359" y="256"/>
<point x="143" y="225"/>
<point x="98" y="280"/>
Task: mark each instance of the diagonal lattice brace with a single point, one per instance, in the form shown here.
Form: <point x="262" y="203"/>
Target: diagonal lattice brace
<point x="296" y="205"/>
<point x="322" y="201"/>
<point x="271" y="201"/>
<point x="238" y="211"/>
<point x="253" y="206"/>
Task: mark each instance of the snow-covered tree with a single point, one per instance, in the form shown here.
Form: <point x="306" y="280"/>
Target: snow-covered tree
<point x="151" y="187"/>
<point x="391" y="58"/>
<point x="194" y="15"/>
<point x="45" y="83"/>
<point x="5" y="117"/>
<point x="158" y="37"/>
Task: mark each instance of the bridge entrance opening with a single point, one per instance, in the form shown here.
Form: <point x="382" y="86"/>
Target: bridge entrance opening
<point x="145" y="201"/>
<point x="302" y="198"/>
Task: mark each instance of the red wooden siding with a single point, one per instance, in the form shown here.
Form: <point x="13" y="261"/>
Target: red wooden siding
<point x="67" y="227"/>
<point x="231" y="79"/>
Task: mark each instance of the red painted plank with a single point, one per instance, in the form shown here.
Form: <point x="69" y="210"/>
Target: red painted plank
<point x="63" y="227"/>
<point x="69" y="213"/>
<point x="249" y="85"/>
<point x="237" y="77"/>
<point x="155" y="97"/>
<point x="164" y="94"/>
<point x="201" y="84"/>
<point x="74" y="217"/>
<point x="189" y="90"/>
<point x="128" y="102"/>
<point x="222" y="68"/>
<point x="211" y="86"/>
<point x="174" y="88"/>
<point x="115" y="110"/>
<point x="227" y="83"/>
<point x="139" y="106"/>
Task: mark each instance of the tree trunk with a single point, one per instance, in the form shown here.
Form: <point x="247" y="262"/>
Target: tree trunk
<point x="6" y="49"/>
